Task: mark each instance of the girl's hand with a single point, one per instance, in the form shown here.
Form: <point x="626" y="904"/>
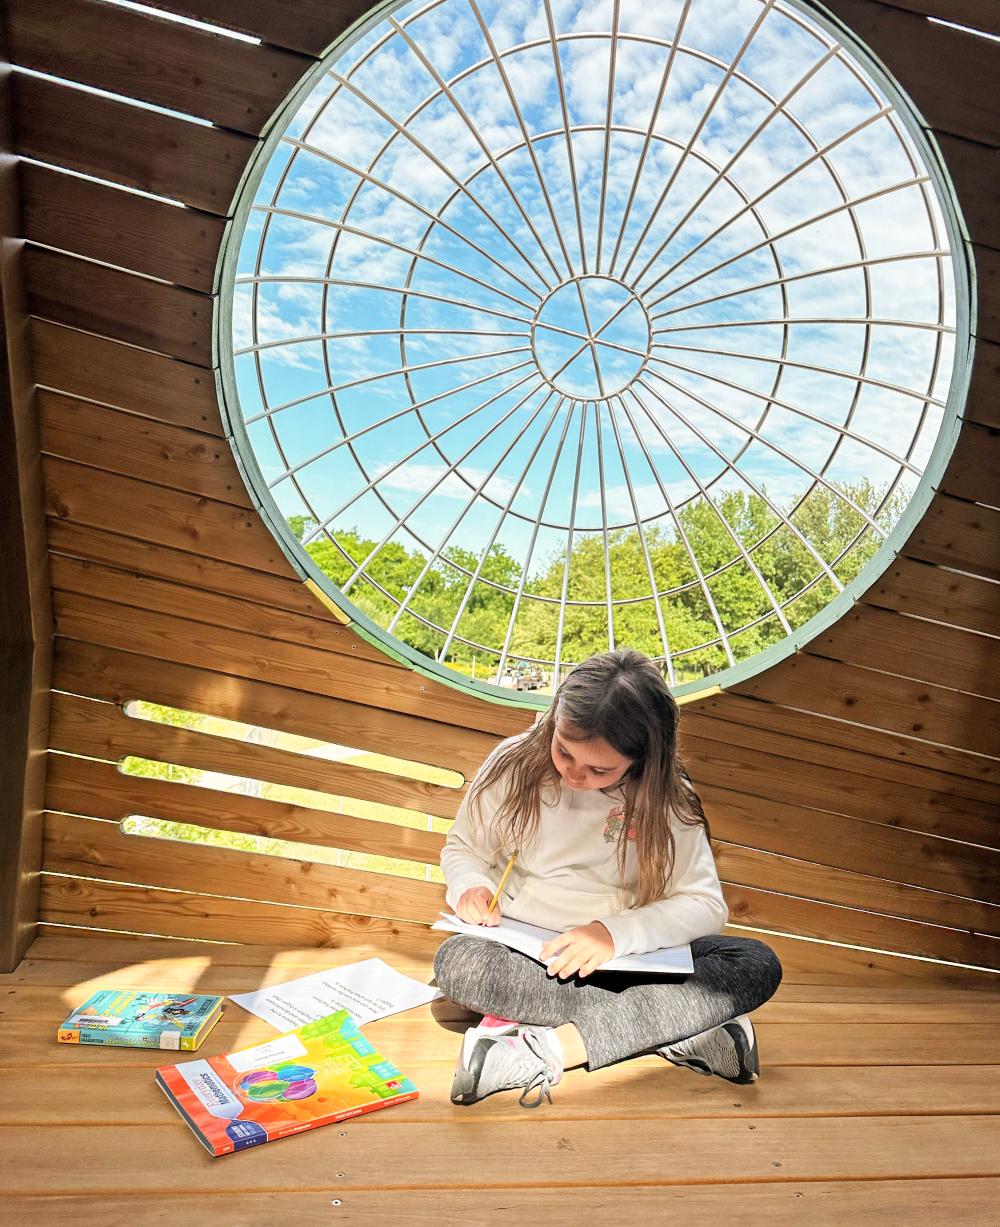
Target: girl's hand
<point x="473" y="907"/>
<point x="579" y="950"/>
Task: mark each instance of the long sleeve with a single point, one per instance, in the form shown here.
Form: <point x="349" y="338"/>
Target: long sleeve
<point x="470" y="855"/>
<point x="695" y="906"/>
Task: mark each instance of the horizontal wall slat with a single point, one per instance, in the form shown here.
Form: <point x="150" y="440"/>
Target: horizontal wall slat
<point x="836" y="846"/>
<point x="119" y="227"/>
<point x="93" y="905"/>
<point x="983" y="402"/>
<point x="836" y="789"/>
<point x="872" y="752"/>
<point x="881" y="700"/>
<point x="119" y="442"/>
<point x="837" y="978"/>
<point x="103" y="500"/>
<point x="748" y="875"/>
<point x="96" y="849"/>
<point x="927" y="651"/>
<point x="975" y="172"/>
<point x="97" y="789"/>
<point x="111" y="905"/>
<point x="958" y="534"/>
<point x="231" y="83"/>
<point x="115" y="676"/>
<point x="198" y="165"/>
<point x="91" y="847"/>
<point x="973" y="471"/>
<point x="948" y="73"/>
<point x="71" y="575"/>
<point x="761" y="910"/>
<point x="788" y="874"/>
<point x="125" y="376"/>
<point x="929" y="591"/>
<point x="102" y="730"/>
<point x="309" y="26"/>
<point x="979" y="14"/>
<point x="878" y="849"/>
<point x="297" y="665"/>
<point x="987" y="260"/>
<point x="184" y="570"/>
<point x="165" y="318"/>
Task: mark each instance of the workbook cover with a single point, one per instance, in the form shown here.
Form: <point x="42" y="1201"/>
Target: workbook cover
<point x="134" y="1018"/>
<point x="324" y="1071"/>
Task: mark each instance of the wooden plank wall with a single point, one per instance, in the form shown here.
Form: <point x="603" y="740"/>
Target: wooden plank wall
<point x="25" y="606"/>
<point x="853" y="789"/>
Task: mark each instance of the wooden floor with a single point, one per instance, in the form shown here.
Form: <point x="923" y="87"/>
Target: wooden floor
<point x="878" y="1102"/>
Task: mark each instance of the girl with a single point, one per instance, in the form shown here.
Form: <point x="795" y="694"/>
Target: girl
<point x="613" y="852"/>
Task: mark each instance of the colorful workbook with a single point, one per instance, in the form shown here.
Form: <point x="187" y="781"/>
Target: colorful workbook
<point x="137" y="1018"/>
<point x="322" y="1072"/>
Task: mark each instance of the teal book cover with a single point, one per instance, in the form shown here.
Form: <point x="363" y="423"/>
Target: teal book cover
<point x="134" y="1018"/>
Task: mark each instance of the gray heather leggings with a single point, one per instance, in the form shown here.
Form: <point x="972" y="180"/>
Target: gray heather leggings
<point x="618" y="1015"/>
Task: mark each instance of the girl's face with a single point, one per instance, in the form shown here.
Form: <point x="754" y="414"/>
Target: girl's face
<point x="586" y="764"/>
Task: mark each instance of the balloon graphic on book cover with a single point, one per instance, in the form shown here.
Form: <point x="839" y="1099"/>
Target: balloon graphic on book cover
<point x="284" y="1082"/>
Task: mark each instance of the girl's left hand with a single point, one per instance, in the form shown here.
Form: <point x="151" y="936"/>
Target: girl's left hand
<point x="579" y="950"/>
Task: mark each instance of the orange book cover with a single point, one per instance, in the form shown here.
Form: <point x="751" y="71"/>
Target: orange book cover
<point x="320" y="1073"/>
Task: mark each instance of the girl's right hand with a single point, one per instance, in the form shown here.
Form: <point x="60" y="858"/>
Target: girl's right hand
<point x="474" y="904"/>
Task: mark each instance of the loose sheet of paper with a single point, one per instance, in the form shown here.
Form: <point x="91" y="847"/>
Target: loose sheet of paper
<point x="367" y="990"/>
<point x="529" y="939"/>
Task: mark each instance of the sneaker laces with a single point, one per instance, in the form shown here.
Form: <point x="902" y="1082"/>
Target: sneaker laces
<point x="546" y="1077"/>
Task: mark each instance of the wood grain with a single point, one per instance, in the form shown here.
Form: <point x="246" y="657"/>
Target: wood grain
<point x="230" y="83"/>
<point x="913" y="647"/>
<point x="112" y="373"/>
<point x="119" y="442"/>
<point x="309" y="26"/>
<point x="102" y="730"/>
<point x="927" y="591"/>
<point x="880" y="700"/>
<point x="98" y="789"/>
<point x="884" y="757"/>
<point x="973" y="472"/>
<point x="166" y="318"/>
<point x="25" y="608"/>
<point x="195" y="164"/>
<point x="299" y="666"/>
<point x="118" y="227"/>
<point x="115" y="676"/>
<point x="85" y="846"/>
<point x="947" y="72"/>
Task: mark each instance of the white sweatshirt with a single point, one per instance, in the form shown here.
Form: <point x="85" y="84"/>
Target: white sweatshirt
<point x="568" y="875"/>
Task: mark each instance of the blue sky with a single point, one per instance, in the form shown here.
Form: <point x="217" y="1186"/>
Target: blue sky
<point x="704" y="205"/>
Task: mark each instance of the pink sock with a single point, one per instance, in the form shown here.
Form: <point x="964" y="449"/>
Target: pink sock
<point x="491" y="1021"/>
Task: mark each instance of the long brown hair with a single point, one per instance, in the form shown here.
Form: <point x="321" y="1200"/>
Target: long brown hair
<point x="621" y="697"/>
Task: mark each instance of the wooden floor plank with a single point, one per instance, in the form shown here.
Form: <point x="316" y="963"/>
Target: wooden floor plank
<point x="521" y="1153"/>
<point x="858" y="1045"/>
<point x="822" y="1203"/>
<point x="646" y="1088"/>
<point x="861" y="1112"/>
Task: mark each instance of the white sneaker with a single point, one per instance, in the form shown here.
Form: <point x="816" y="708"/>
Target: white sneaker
<point x="729" y="1051"/>
<point x="492" y="1060"/>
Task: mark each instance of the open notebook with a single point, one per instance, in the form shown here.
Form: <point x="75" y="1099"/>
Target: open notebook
<point x="529" y="939"/>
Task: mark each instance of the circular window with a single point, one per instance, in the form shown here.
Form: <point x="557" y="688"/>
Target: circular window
<point x="549" y="327"/>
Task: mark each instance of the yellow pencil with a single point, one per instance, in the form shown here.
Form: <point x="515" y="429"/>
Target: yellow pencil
<point x="506" y="875"/>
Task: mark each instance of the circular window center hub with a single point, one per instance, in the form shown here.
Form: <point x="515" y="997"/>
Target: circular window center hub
<point x="591" y="337"/>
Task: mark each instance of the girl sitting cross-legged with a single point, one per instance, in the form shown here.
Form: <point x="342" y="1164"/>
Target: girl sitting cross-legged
<point x="613" y="853"/>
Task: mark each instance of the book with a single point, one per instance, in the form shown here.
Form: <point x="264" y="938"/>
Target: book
<point x="138" y="1018"/>
<point x="529" y="939"/>
<point x="322" y="1072"/>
